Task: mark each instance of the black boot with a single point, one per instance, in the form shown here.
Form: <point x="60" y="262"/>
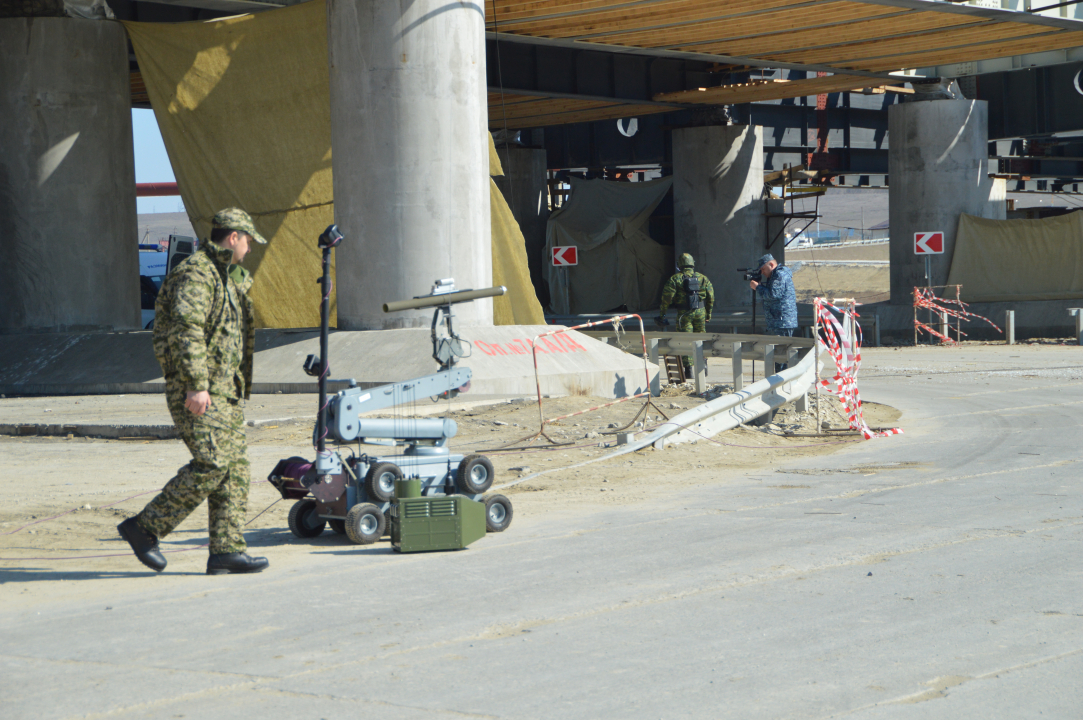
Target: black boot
<point x="143" y="544"/>
<point x="235" y="563"/>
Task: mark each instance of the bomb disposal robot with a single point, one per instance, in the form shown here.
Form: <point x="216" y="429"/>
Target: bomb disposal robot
<point x="355" y="492"/>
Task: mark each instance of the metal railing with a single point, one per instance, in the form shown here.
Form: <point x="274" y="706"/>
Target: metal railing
<point x="766" y="348"/>
<point x="733" y="322"/>
<point x="718" y="415"/>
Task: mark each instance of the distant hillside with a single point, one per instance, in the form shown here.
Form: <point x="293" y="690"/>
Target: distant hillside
<point x="159" y="226"/>
<point x="847" y="208"/>
<point x="852" y="208"/>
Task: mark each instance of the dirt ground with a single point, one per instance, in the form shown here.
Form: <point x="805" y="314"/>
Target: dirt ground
<point x="61" y="498"/>
<point x="841" y="253"/>
<point x="865" y="283"/>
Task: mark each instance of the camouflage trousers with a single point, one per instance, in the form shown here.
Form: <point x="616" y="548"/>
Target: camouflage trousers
<point x="218" y="473"/>
<point x="691" y="321"/>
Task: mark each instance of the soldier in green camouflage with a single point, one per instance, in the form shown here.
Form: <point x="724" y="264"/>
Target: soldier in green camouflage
<point x="690" y="293"/>
<point x="204" y="339"/>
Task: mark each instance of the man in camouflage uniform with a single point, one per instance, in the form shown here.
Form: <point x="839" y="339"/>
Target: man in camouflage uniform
<point x="204" y="339"/>
<point x="691" y="294"/>
<point x="779" y="298"/>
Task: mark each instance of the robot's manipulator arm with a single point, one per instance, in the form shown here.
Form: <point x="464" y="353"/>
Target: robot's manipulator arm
<point x="447" y="347"/>
<point x="345" y="424"/>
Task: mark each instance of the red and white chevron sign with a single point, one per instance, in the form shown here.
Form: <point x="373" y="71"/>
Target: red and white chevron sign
<point x="929" y="243"/>
<point x="565" y="256"/>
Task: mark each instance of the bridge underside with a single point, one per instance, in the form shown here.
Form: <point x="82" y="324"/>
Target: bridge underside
<point x="819" y="77"/>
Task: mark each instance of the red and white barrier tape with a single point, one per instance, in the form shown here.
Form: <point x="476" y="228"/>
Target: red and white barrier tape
<point x="926" y="299"/>
<point x="847" y="356"/>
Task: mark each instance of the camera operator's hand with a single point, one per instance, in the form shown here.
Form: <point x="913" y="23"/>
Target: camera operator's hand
<point x="753" y="284"/>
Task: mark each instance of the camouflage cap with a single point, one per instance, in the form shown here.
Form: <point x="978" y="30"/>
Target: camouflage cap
<point x="239" y="220"/>
<point x="764" y="260"/>
<point x="686" y="260"/>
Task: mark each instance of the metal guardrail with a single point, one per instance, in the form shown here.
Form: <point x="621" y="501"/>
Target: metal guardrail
<point x="797" y="264"/>
<point x="714" y="344"/>
<point x="870" y="325"/>
<point x="844" y="243"/>
<point x="735" y="321"/>
<point x="740" y="406"/>
<point x="718" y="415"/>
<point x="766" y="348"/>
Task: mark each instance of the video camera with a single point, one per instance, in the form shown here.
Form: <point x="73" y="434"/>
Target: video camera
<point x="751" y="274"/>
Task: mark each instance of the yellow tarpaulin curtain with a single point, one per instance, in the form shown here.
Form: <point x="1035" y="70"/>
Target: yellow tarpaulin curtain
<point x="1002" y="260"/>
<point x="520" y="305"/>
<point x="243" y="104"/>
<point x="248" y="124"/>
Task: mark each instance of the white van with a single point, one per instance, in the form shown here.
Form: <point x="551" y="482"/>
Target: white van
<point x="152" y="269"/>
<point x="155" y="261"/>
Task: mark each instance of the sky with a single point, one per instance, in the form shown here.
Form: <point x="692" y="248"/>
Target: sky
<point x="152" y="163"/>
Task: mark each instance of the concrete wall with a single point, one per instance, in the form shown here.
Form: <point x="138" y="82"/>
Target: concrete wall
<point x="408" y="124"/>
<point x="718" y="214"/>
<point x="939" y="168"/>
<point x="68" y="236"/>
<point x="525" y="187"/>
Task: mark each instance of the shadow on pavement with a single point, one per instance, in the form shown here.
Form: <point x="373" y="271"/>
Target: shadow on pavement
<point x="45" y="574"/>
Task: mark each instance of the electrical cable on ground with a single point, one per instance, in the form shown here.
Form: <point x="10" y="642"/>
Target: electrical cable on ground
<point x="683" y="427"/>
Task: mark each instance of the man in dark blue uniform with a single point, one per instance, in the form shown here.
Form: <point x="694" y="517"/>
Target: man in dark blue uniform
<point x="779" y="298"/>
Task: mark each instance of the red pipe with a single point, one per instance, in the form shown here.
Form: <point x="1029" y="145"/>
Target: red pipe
<point x="156" y="189"/>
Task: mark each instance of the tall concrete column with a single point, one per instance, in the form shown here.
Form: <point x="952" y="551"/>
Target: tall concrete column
<point x="717" y="204"/>
<point x="938" y="162"/>
<point x="525" y="186"/>
<point x="411" y="157"/>
<point x="69" y="258"/>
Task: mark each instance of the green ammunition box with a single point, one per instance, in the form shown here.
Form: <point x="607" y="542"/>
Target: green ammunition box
<point x="441" y="522"/>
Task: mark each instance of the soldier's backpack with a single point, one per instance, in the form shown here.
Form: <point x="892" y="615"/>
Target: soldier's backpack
<point x="692" y="288"/>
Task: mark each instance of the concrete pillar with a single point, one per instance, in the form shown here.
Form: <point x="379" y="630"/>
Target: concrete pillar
<point x="939" y="165"/>
<point x="411" y="183"/>
<point x="69" y="255"/>
<point x="525" y="186"/>
<point x="717" y="205"/>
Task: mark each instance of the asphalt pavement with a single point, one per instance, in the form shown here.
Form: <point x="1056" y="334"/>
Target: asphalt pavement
<point x="934" y="574"/>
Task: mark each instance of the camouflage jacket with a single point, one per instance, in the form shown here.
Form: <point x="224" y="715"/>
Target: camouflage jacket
<point x="673" y="292"/>
<point x="204" y="335"/>
<point x="779" y="299"/>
